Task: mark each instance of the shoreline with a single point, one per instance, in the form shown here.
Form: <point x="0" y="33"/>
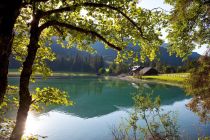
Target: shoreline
<point x="119" y="77"/>
<point x="136" y="80"/>
<point x="54" y="74"/>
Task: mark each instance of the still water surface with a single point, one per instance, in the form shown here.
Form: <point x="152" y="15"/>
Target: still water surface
<point x="100" y="105"/>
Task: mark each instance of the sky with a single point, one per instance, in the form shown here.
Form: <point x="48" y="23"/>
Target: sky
<point x="151" y="4"/>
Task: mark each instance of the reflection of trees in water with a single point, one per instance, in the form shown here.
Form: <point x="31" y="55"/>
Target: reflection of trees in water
<point x="114" y="94"/>
<point x="89" y="103"/>
<point x="168" y="94"/>
<point x="80" y="85"/>
<point x="86" y="87"/>
<point x="198" y="86"/>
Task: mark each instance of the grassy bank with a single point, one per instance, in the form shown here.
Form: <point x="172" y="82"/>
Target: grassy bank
<point x="55" y="74"/>
<point x="172" y="78"/>
<point x="175" y="77"/>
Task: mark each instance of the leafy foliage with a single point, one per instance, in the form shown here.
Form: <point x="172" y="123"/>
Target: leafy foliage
<point x="157" y="123"/>
<point x="198" y="86"/>
<point x="49" y="96"/>
<point x="10" y="102"/>
<point x="188" y="26"/>
<point x="118" y="23"/>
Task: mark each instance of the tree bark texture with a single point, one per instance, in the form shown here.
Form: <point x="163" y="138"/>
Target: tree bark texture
<point x="9" y="11"/>
<point x="24" y="93"/>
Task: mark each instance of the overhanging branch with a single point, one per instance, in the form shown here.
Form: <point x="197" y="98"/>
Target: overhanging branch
<point x="97" y="5"/>
<point x="118" y="10"/>
<point x="78" y="29"/>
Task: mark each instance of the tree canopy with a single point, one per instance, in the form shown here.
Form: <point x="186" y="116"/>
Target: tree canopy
<point x="189" y="25"/>
<point x="81" y="23"/>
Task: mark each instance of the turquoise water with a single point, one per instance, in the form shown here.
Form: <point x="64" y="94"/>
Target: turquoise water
<point x="101" y="104"/>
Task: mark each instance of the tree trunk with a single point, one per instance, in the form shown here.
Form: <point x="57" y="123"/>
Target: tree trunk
<point x="24" y="93"/>
<point x="9" y="11"/>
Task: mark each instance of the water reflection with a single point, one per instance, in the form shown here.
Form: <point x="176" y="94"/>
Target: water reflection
<point x="99" y="105"/>
<point x="58" y="125"/>
<point x="96" y="97"/>
<point x="32" y="124"/>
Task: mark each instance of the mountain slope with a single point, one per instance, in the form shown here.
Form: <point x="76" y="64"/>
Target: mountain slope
<point x="109" y="54"/>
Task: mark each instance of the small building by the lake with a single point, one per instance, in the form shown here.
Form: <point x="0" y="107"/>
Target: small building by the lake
<point x="135" y="70"/>
<point x="148" y="71"/>
<point x="140" y="70"/>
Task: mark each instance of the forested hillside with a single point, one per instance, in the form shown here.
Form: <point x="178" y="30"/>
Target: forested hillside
<point x="80" y="61"/>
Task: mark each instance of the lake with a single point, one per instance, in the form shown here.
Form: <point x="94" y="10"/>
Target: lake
<point x="101" y="104"/>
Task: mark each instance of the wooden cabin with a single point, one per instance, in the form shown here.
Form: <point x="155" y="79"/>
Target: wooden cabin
<point x="135" y="70"/>
<point x="148" y="71"/>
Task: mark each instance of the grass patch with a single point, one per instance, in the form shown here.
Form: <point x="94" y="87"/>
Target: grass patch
<point x="57" y="74"/>
<point x="175" y="77"/>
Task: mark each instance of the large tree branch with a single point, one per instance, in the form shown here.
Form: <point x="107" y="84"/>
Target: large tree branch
<point x="79" y="29"/>
<point x="97" y="5"/>
<point x="118" y="10"/>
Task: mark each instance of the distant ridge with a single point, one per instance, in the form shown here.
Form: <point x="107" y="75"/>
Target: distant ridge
<point x="109" y="54"/>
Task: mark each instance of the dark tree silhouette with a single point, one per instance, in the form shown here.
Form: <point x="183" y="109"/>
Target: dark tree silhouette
<point x="9" y="11"/>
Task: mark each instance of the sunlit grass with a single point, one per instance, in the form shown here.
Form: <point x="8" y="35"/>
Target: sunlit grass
<point x="175" y="77"/>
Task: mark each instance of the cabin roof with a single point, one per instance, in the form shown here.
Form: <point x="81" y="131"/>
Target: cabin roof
<point x="146" y="69"/>
<point x="137" y="67"/>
